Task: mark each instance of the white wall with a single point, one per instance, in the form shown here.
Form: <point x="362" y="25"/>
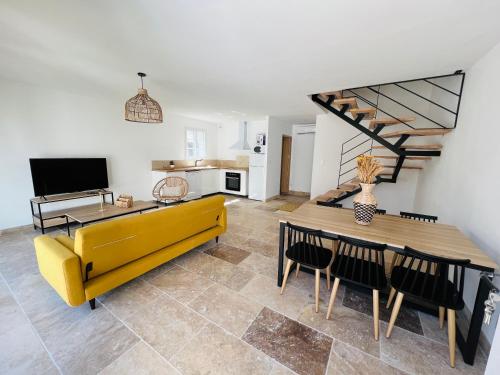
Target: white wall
<point x="302" y="157"/>
<point x="36" y="122"/>
<point x="228" y="134"/>
<point x="276" y="129"/>
<point x="331" y="132"/>
<point x="462" y="186"/>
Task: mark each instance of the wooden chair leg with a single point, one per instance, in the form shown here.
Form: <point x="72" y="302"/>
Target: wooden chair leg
<point x="328" y="275"/>
<point x="336" y="283"/>
<point x="451" y="335"/>
<point x="392" y="293"/>
<point x="442" y="312"/>
<point x="394" y="314"/>
<point x="297" y="270"/>
<point x="375" y="313"/>
<point x="316" y="288"/>
<point x="285" y="277"/>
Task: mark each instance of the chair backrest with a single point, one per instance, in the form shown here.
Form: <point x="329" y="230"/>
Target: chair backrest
<point x="423" y="271"/>
<point x="336" y="205"/>
<point x="419" y="217"/>
<point x="307" y="241"/>
<point x="171" y="188"/>
<point x="353" y="254"/>
<point x="379" y="211"/>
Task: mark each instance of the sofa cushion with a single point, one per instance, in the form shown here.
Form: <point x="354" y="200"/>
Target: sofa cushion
<point x="111" y="244"/>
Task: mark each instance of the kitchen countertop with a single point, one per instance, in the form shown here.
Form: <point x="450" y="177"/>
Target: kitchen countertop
<point x="200" y="168"/>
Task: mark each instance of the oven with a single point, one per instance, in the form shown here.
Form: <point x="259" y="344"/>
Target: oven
<point x="233" y="181"/>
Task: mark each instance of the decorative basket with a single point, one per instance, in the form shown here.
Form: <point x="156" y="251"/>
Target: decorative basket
<point x="124" y="201"/>
<point x="365" y="205"/>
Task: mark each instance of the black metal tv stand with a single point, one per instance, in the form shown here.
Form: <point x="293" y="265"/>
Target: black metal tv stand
<point x="58" y="217"/>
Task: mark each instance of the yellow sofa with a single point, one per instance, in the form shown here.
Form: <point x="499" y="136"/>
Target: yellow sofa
<point x="105" y="255"/>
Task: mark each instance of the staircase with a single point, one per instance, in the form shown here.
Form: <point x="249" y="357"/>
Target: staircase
<point x="388" y="116"/>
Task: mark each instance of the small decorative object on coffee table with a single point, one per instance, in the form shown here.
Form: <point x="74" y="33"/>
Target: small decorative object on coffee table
<point x="364" y="202"/>
<point x="125" y="201"/>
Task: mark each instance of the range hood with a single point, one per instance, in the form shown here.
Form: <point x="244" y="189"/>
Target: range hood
<point x="242" y="143"/>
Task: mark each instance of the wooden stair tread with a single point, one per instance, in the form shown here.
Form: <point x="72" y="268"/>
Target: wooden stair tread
<point x="434" y="146"/>
<point x="325" y="95"/>
<point x="368" y="112"/>
<point x="346" y="188"/>
<point x="404" y="166"/>
<point x="388" y="121"/>
<point x="416" y="132"/>
<point x="407" y="158"/>
<point x="351" y="102"/>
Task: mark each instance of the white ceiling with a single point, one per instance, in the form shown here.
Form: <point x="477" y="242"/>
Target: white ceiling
<point x="222" y="59"/>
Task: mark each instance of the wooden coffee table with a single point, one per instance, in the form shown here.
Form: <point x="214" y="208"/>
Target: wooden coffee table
<point x="92" y="213"/>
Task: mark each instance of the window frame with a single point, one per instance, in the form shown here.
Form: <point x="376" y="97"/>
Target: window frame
<point x="197" y="152"/>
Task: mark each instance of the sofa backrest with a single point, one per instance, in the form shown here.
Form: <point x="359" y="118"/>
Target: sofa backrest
<point x="105" y="246"/>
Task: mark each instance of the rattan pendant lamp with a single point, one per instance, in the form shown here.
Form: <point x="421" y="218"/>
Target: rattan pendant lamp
<point x="143" y="108"/>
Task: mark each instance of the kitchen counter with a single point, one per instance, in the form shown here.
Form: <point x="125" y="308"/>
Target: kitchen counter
<point x="200" y="168"/>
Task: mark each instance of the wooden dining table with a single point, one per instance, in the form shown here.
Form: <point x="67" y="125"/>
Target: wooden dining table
<point x="432" y="238"/>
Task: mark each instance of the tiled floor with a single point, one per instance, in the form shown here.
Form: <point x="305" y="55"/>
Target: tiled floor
<point x="215" y="310"/>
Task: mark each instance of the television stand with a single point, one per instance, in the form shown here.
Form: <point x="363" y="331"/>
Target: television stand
<point x="58" y="217"/>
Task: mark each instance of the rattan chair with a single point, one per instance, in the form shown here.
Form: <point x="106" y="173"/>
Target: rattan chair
<point x="362" y="263"/>
<point x="171" y="188"/>
<point x="426" y="277"/>
<point x="305" y="247"/>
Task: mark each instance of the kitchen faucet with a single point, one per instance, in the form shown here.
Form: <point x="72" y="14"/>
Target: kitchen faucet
<point x="196" y="162"/>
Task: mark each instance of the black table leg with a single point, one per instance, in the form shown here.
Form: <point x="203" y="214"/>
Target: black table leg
<point x="67" y="226"/>
<point x="281" y="251"/>
<point x="468" y="345"/>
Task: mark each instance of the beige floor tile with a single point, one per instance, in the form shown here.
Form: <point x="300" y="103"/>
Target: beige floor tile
<point x="416" y="354"/>
<point x="155" y="272"/>
<point x="90" y="343"/>
<point x="430" y="325"/>
<point x="279" y="369"/>
<point x="261" y="264"/>
<point x="215" y="269"/>
<point x="227" y="309"/>
<point x="214" y="351"/>
<point x="21" y="351"/>
<point x="181" y="284"/>
<point x="128" y="298"/>
<point x="141" y="359"/>
<point x="347" y="360"/>
<point x="260" y="246"/>
<point x="166" y="325"/>
<point x="264" y="290"/>
<point x="345" y="324"/>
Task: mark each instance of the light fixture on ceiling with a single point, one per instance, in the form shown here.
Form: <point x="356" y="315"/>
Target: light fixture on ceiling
<point x="143" y="108"/>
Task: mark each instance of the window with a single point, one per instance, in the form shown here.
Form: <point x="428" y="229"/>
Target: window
<point x="196" y="147"/>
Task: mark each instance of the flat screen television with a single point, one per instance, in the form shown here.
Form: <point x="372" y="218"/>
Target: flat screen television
<point x="68" y="175"/>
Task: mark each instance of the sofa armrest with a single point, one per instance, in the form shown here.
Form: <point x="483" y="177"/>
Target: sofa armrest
<point x="60" y="266"/>
<point x="223" y="219"/>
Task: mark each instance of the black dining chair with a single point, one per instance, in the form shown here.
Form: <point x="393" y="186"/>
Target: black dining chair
<point x="427" y="277"/>
<point x="361" y="263"/>
<point x="306" y="248"/>
<point x="419" y="217"/>
<point x="413" y="216"/>
<point x="380" y="211"/>
<point x="336" y="205"/>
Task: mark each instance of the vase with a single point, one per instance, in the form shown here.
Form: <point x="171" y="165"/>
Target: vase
<point x="365" y="205"/>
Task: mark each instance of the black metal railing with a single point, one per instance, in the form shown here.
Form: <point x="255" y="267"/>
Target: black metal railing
<point x="439" y="111"/>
